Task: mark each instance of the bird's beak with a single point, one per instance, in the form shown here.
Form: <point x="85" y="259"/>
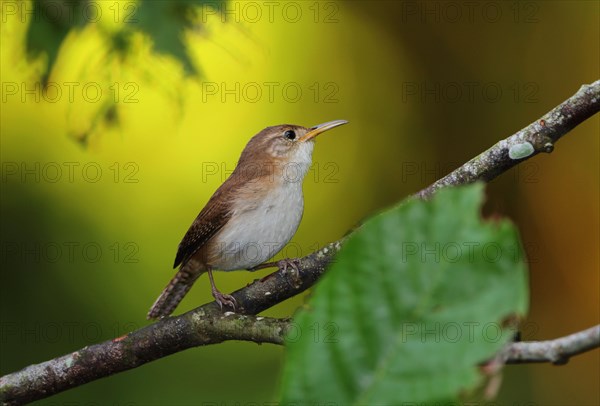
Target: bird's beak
<point x="318" y="129"/>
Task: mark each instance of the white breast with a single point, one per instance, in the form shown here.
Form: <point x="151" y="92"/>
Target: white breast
<point x="253" y="236"/>
<point x="256" y="232"/>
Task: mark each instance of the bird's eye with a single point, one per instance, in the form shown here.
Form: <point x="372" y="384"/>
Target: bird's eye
<point x="290" y="135"/>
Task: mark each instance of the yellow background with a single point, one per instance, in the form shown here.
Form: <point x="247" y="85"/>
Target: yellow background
<point x="364" y="57"/>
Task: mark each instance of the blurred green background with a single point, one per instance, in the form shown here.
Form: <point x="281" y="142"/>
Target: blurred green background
<point x="98" y="188"/>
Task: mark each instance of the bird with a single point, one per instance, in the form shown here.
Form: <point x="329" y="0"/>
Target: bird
<point x="250" y="217"/>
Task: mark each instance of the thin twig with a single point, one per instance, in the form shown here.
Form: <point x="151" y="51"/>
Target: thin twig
<point x="557" y="351"/>
<point x="539" y="136"/>
<point x="207" y="324"/>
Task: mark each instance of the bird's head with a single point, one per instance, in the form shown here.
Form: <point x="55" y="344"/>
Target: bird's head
<point x="286" y="144"/>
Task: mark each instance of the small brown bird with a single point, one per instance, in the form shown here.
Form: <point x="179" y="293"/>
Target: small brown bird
<point x="250" y="217"/>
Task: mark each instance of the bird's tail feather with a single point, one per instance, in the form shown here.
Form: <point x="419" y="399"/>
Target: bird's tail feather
<point x="173" y="293"/>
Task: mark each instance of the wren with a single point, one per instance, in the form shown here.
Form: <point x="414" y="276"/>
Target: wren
<point x="250" y="217"/>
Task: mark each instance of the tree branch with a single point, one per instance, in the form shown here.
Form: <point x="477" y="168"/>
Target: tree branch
<point x="556" y="351"/>
<point x="539" y="136"/>
<point x="208" y="325"/>
<point x="203" y="326"/>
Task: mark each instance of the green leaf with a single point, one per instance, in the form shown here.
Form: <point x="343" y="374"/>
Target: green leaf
<point x="50" y="22"/>
<point x="165" y="23"/>
<point x="416" y="299"/>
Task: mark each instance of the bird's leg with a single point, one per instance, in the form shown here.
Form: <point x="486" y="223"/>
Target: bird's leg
<point x="283" y="266"/>
<point x="220" y="298"/>
<point x="263" y="266"/>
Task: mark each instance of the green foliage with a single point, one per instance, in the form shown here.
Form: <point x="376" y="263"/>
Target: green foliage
<point x="164" y="22"/>
<point x="47" y="32"/>
<point x="419" y="296"/>
<point x="118" y="25"/>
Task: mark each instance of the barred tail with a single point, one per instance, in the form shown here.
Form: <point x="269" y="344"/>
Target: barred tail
<point x="173" y="293"/>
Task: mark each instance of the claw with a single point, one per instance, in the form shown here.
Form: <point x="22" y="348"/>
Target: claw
<point x="289" y="262"/>
<point x="283" y="266"/>
<point x="293" y="263"/>
<point x="221" y="298"/>
<point x="224" y="299"/>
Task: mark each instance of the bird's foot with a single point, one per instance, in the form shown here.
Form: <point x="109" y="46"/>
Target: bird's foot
<point x="286" y="263"/>
<point x="224" y="299"/>
<point x="283" y="265"/>
<point x="291" y="266"/>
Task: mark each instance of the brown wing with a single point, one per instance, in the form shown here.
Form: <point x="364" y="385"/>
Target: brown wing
<point x="211" y="219"/>
<point x="217" y="212"/>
